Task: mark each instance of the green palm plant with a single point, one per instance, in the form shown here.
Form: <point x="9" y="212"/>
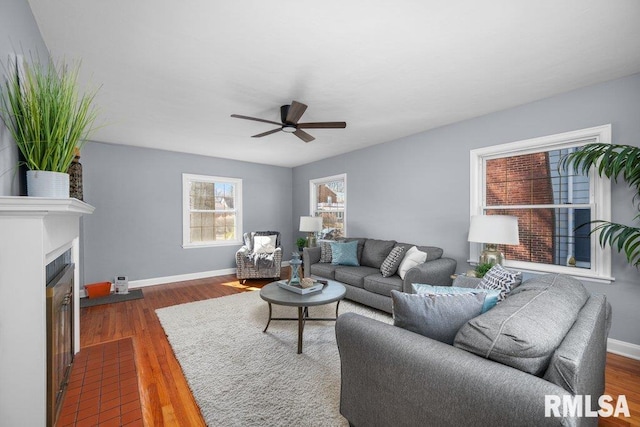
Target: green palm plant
<point x="612" y="161"/>
<point x="45" y="114"/>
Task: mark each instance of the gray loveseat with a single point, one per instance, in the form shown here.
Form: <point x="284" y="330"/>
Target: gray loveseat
<point x="365" y="283"/>
<point x="548" y="337"/>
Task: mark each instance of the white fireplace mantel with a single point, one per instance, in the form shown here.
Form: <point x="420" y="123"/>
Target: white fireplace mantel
<point x="33" y="232"/>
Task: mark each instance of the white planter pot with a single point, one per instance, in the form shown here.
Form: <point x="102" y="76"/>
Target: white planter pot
<point x="48" y="184"/>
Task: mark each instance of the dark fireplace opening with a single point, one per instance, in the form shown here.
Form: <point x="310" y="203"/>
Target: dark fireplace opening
<point x="60" y="317"/>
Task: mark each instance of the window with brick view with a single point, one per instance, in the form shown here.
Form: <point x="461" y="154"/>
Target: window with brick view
<point x="523" y="179"/>
<point x="531" y="187"/>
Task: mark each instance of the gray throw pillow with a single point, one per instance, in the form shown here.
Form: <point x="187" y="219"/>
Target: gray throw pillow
<point x="435" y="316"/>
<point x="392" y="262"/>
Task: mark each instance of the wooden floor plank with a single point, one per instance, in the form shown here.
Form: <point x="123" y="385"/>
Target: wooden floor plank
<point x="165" y="395"/>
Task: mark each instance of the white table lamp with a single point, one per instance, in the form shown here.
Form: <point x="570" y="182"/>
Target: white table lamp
<point x="493" y="230"/>
<point x="311" y="225"/>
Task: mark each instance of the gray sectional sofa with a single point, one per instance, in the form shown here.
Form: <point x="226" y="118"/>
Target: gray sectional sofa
<point x="548" y="337"/>
<point x="365" y="283"/>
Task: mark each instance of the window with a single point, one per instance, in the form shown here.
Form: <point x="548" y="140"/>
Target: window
<point x="329" y="200"/>
<point x="212" y="211"/>
<point x="523" y="179"/>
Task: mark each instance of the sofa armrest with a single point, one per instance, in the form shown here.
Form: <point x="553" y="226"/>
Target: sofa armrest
<point x="391" y="376"/>
<point x="310" y="256"/>
<point x="436" y="272"/>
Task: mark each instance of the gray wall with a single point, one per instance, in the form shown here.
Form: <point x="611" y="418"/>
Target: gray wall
<point x="136" y="229"/>
<point x="18" y="34"/>
<point x="416" y="189"/>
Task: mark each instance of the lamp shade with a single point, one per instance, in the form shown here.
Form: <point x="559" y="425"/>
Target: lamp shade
<point x="310" y="223"/>
<point x="495" y="229"/>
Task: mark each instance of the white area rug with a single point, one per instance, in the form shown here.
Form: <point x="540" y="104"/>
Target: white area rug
<point x="242" y="377"/>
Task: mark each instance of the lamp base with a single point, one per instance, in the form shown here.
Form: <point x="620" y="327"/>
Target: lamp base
<point x="491" y="255"/>
<point x="311" y="240"/>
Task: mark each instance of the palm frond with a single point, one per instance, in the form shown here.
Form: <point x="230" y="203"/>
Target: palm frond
<point x="610" y="160"/>
<point x="621" y="237"/>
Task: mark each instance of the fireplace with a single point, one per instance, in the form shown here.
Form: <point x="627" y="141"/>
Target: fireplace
<point x="60" y="349"/>
<point x="34" y="232"/>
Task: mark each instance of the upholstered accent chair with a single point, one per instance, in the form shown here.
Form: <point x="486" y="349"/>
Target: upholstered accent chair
<point x="260" y="257"/>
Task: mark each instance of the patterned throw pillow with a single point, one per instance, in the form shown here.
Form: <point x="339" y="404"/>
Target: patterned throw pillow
<point x="392" y="262"/>
<point x="325" y="251"/>
<point x="499" y="278"/>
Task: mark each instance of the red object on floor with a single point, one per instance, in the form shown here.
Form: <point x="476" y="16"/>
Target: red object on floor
<point x="95" y="290"/>
<point x="103" y="388"/>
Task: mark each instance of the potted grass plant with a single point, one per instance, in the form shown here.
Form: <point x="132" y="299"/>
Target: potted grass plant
<point x="49" y="120"/>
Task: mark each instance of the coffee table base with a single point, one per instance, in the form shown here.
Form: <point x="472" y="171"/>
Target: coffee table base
<point x="303" y="316"/>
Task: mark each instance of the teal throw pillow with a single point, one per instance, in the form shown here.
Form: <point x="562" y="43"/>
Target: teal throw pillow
<point x="344" y="253"/>
<point x="490" y="298"/>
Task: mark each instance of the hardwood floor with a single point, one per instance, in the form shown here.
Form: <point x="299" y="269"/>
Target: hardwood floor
<point x="165" y="396"/>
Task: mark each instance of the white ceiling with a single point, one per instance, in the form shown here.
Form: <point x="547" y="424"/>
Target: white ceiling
<point x="173" y="71"/>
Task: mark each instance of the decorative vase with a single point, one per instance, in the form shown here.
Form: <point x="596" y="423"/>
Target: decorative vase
<point x="75" y="176"/>
<point x="54" y="185"/>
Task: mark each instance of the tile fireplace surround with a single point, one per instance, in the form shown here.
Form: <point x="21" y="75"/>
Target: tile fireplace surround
<point x="33" y="232"/>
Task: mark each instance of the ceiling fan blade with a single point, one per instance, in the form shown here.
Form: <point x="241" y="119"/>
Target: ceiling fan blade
<point x="238" y="116"/>
<point x="260" y="135"/>
<point x="322" y="125"/>
<point x="303" y="135"/>
<point x="296" y="110"/>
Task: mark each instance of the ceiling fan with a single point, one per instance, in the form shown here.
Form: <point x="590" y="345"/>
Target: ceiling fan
<point x="289" y="115"/>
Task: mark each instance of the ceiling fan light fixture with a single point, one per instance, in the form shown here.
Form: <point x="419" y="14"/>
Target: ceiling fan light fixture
<point x="288" y="128"/>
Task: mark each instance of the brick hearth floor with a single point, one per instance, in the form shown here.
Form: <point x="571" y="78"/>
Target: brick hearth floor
<point x="103" y="388"/>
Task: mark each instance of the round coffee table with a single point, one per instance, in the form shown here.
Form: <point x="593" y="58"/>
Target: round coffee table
<point x="274" y="294"/>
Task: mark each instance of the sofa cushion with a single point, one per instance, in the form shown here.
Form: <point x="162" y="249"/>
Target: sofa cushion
<point x="433" y="252"/>
<point x="490" y="295"/>
<point x="524" y="330"/>
<point x="435" y="316"/>
<point x="324" y="270"/>
<point x="411" y="258"/>
<point x="378" y="284"/>
<point x="354" y="276"/>
<point x="344" y="253"/>
<point x="500" y="279"/>
<point x="375" y="252"/>
<point x="391" y="263"/>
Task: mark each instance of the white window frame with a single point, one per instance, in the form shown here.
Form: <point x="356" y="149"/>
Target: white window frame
<point x="186" y="211"/>
<point x="600" y="197"/>
<point x="313" y="183"/>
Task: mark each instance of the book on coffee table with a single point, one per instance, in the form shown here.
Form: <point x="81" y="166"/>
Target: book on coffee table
<point x="284" y="284"/>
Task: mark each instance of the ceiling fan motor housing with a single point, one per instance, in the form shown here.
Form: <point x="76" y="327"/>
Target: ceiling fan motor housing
<point x="284" y="112"/>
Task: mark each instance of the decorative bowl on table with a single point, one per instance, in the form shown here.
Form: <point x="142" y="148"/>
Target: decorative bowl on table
<point x="307" y="282"/>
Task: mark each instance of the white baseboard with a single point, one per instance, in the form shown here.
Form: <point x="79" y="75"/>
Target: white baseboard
<point x="179" y="278"/>
<point x="623" y="348"/>
<point x="134" y="284"/>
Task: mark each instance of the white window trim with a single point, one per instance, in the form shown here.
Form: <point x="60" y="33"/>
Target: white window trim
<point x="312" y="194"/>
<point x="600" y="195"/>
<point x="186" y="179"/>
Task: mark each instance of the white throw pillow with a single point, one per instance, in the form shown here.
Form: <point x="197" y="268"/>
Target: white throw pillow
<point x="412" y="258"/>
<point x="264" y="244"/>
